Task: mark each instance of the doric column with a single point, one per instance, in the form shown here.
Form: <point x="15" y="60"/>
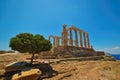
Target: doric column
<point x="84" y="40"/>
<point x="56" y="41"/>
<point x="81" y="42"/>
<point x="60" y="41"/>
<point x="88" y="41"/>
<point x="71" y="41"/>
<point x="76" y="38"/>
<point x="64" y="36"/>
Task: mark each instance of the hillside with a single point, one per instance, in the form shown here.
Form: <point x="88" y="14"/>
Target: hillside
<point x="87" y="70"/>
<point x="73" y="70"/>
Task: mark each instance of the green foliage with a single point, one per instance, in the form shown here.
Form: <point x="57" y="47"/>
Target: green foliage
<point x="27" y="42"/>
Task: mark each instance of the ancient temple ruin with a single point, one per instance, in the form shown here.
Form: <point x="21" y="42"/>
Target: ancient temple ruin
<point x="72" y="41"/>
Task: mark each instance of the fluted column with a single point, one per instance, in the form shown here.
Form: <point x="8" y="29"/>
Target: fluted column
<point x="58" y="41"/>
<point x="84" y="40"/>
<point x="71" y="41"/>
<point x="64" y="36"/>
<point x="76" y="38"/>
<point x="81" y="42"/>
<point x="54" y="41"/>
<point x="88" y="41"/>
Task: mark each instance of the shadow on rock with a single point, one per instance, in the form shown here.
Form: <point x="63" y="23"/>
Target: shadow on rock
<point x="45" y="68"/>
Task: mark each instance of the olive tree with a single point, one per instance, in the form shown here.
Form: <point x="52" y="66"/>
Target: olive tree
<point x="27" y="42"/>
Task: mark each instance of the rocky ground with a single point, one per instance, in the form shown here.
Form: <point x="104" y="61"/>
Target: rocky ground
<point x="87" y="70"/>
<point x="72" y="70"/>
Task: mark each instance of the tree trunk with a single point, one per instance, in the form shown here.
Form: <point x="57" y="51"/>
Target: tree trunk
<point x="32" y="58"/>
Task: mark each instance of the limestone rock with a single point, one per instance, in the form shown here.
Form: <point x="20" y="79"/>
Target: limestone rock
<point x="32" y="74"/>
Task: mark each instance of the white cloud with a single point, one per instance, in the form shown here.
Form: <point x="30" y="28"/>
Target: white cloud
<point x="112" y="50"/>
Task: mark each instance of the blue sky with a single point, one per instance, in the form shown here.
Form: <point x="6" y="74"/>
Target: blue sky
<point x="100" y="18"/>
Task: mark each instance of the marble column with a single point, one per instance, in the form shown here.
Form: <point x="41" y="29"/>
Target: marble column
<point x="56" y="41"/>
<point x="71" y="40"/>
<point x="88" y="41"/>
<point x="64" y="36"/>
<point x="81" y="42"/>
<point x="84" y="40"/>
<point x="76" y="38"/>
<point x="60" y="41"/>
